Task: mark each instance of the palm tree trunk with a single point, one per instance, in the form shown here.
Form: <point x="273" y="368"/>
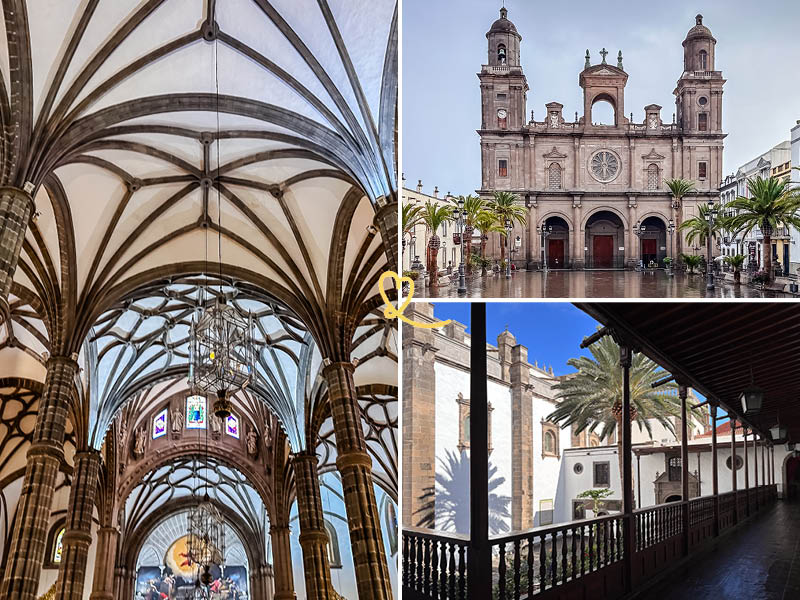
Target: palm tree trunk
<point x="467" y="241"/>
<point x="767" y="251"/>
<point x="433" y="267"/>
<point x="502" y="250"/>
<point x="678" y="234"/>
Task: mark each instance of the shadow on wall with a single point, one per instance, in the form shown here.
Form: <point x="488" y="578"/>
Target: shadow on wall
<point x="446" y="507"/>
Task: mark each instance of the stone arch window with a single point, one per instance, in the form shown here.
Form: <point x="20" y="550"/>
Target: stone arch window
<point x="653" y="182"/>
<point x="550" y="446"/>
<point x="703" y="56"/>
<point x="55" y="545"/>
<point x="674" y="468"/>
<point x="702" y="122"/>
<point x="501" y="54"/>
<point x="554" y="176"/>
<point x="604" y="111"/>
<point x="464" y="423"/>
<point x="334" y="553"/>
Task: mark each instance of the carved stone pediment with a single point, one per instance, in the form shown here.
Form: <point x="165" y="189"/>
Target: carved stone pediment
<point x="603" y="72"/>
<point x="555" y="153"/>
<point x="653" y="155"/>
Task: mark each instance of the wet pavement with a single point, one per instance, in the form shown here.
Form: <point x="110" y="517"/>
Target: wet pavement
<point x="758" y="561"/>
<point x="595" y="284"/>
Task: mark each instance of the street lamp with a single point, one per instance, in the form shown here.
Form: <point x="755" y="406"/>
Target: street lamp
<point x="711" y="215"/>
<point x="509" y="227"/>
<point x="543" y="231"/>
<point x="640" y="230"/>
<point x="462" y="215"/>
<point x="671" y="230"/>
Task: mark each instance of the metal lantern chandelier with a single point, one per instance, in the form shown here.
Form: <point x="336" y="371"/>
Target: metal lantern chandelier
<point x="205" y="545"/>
<point x="221" y="353"/>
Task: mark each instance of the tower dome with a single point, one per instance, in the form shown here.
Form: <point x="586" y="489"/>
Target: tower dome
<point x="699" y="31"/>
<point x="503" y="25"/>
<point x="698" y="48"/>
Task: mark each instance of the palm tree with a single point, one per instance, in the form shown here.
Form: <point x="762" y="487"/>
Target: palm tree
<point x="473" y="207"/>
<point x="679" y="188"/>
<point x="697" y="227"/>
<point x="434" y="215"/>
<point x="448" y="502"/>
<point x="486" y="223"/>
<point x="736" y="262"/>
<point x="592" y="398"/>
<point x="411" y="217"/>
<point x="773" y="203"/>
<point x="505" y="206"/>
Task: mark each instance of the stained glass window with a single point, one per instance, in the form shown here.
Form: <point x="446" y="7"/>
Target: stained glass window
<point x="160" y="424"/>
<point x="232" y="426"/>
<point x="195" y="412"/>
<point x="58" y="547"/>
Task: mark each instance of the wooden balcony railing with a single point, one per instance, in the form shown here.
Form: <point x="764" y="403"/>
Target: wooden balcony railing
<point x="576" y="559"/>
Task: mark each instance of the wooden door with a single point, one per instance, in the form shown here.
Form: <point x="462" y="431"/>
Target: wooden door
<point x="603" y="251"/>
<point x="555" y="254"/>
<point x="649" y="250"/>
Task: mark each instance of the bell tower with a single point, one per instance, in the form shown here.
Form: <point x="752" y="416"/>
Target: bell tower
<point x="698" y="99"/>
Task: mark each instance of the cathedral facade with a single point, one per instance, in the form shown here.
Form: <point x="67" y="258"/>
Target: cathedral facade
<point x="596" y="193"/>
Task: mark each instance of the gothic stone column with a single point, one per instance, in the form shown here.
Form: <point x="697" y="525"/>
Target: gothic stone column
<point x="386" y="222"/>
<point x="521" y="441"/>
<point x="355" y="466"/>
<point x="313" y="538"/>
<point x="282" y="559"/>
<point x="103" y="580"/>
<point x="27" y="549"/>
<point x="78" y="531"/>
<point x="16" y="206"/>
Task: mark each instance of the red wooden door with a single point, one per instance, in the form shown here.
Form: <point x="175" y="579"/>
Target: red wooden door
<point x="649" y="250"/>
<point x="603" y="251"/>
<point x="555" y="254"/>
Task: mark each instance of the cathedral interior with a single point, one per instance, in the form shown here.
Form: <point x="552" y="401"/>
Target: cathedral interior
<point x="198" y="390"/>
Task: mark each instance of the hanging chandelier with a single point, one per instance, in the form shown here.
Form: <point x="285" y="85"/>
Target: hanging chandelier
<point x="221" y="353"/>
<point x="205" y="545"/>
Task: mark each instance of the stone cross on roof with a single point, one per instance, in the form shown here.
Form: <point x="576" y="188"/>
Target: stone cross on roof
<point x="604" y="53"/>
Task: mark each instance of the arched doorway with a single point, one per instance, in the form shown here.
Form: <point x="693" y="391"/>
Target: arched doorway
<point x="653" y="242"/>
<point x="673" y="498"/>
<point x="557" y="243"/>
<point x="605" y="240"/>
<point x="791" y="474"/>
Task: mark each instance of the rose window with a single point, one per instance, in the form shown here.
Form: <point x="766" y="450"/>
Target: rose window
<point x="604" y="166"/>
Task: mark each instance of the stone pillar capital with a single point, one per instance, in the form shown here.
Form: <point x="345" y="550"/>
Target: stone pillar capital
<point x="354" y="459"/>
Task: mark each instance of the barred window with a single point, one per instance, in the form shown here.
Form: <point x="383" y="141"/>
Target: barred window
<point x="702" y="170"/>
<point x="652" y="177"/>
<point x="502" y="168"/>
<point x="702" y="122"/>
<point x="554" y="177"/>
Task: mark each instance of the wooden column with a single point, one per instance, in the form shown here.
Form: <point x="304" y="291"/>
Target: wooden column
<point x="639" y="480"/>
<point x="714" y="467"/>
<point x="746" y="475"/>
<point x="763" y="465"/>
<point x="733" y="471"/>
<point x="26" y="554"/>
<point x="628" y="532"/>
<point x="755" y="464"/>
<point x="772" y="464"/>
<point x="479" y="557"/>
<point x="682" y="394"/>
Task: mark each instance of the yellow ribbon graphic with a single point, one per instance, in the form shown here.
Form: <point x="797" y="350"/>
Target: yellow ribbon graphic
<point x="390" y="312"/>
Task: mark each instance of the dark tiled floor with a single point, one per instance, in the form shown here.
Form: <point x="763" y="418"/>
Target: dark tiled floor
<point x="761" y="561"/>
<point x="594" y="284"/>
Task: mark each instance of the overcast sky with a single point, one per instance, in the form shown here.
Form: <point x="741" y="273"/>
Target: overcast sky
<point x="444" y="45"/>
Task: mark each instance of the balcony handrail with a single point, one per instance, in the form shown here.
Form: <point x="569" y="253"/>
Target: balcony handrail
<point x="431" y="534"/>
<point x="549" y="529"/>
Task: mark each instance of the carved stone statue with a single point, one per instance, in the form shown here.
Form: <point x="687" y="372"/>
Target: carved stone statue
<point x="252" y="442"/>
<point x="216" y="425"/>
<point x="141" y="440"/>
<point x="177" y="420"/>
<point x="267" y="436"/>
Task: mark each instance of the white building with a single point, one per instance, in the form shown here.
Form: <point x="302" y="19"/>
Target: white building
<point x="795" y="177"/>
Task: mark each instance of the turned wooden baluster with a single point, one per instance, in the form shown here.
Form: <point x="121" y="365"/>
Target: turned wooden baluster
<point x="443" y="570"/>
<point x="591" y="548"/>
<point x="553" y="560"/>
<point x="462" y="579"/>
<point x="426" y="582"/>
<point x="502" y="570"/>
<point x="564" y="556"/>
<point x="530" y="566"/>
<point x="434" y="560"/>
<point x="583" y="552"/>
<point x="574" y="552"/>
<point x="406" y="560"/>
<point x="516" y="569"/>
<point x="452" y="571"/>
<point x="542" y="563"/>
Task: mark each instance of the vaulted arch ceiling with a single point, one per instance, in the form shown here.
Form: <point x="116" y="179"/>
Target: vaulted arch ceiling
<point x="170" y="138"/>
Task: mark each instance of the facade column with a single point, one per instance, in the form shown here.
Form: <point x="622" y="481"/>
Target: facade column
<point x="682" y="394"/>
<point x="27" y="550"/>
<point x="632" y="249"/>
<point x="282" y="561"/>
<point x="355" y="466"/>
<point x="419" y="411"/>
<point x="733" y="472"/>
<point x="78" y="530"/>
<point x="16" y="207"/>
<point x="103" y="580"/>
<point x="479" y="556"/>
<point x="577" y="238"/>
<point x="386" y="223"/>
<point x="313" y="538"/>
<point x="628" y="530"/>
<point x="536" y="239"/>
<point x="714" y="467"/>
<point x="521" y="441"/>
